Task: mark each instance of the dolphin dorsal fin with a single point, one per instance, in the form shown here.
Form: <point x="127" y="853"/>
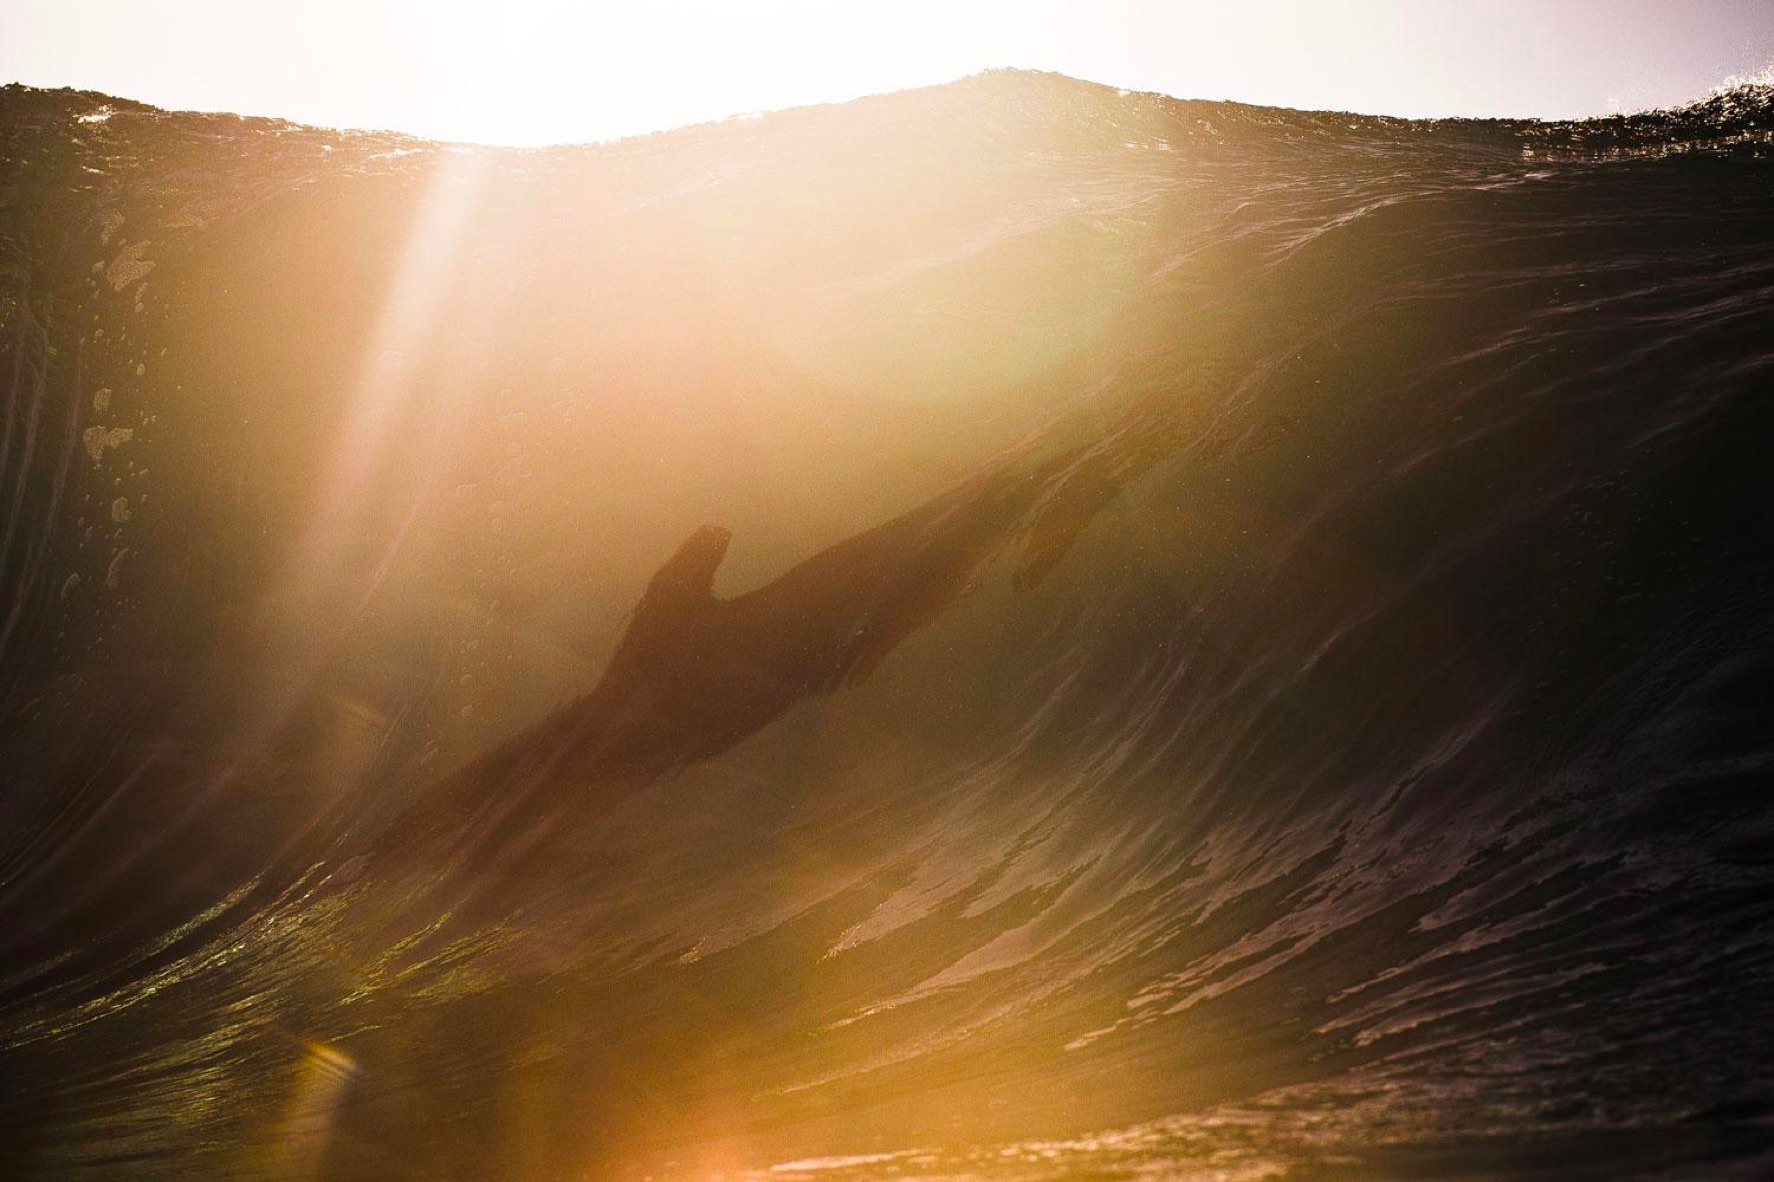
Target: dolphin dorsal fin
<point x="689" y="574"/>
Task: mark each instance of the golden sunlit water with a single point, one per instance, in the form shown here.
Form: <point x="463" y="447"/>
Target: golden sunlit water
<point x="1012" y="630"/>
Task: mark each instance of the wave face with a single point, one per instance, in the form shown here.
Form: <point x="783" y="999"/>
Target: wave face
<point x="1007" y="631"/>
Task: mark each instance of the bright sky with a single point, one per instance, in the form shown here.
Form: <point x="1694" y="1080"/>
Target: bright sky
<point x="549" y="71"/>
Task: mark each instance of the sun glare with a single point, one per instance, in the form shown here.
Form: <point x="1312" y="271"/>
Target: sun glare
<point x="536" y="72"/>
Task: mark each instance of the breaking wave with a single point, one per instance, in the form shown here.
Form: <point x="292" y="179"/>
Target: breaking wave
<point x="1010" y="630"/>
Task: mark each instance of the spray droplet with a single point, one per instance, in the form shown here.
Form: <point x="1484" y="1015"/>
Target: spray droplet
<point x="98" y="439"/>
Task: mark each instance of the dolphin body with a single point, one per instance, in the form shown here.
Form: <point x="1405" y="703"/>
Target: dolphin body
<point x="694" y="673"/>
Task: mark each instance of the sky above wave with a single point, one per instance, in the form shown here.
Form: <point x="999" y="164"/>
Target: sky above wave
<point x="553" y="71"/>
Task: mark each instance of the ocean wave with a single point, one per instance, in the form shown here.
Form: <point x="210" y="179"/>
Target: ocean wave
<point x="1013" y="629"/>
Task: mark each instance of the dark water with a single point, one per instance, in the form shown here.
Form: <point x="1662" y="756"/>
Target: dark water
<point x="1007" y="631"/>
